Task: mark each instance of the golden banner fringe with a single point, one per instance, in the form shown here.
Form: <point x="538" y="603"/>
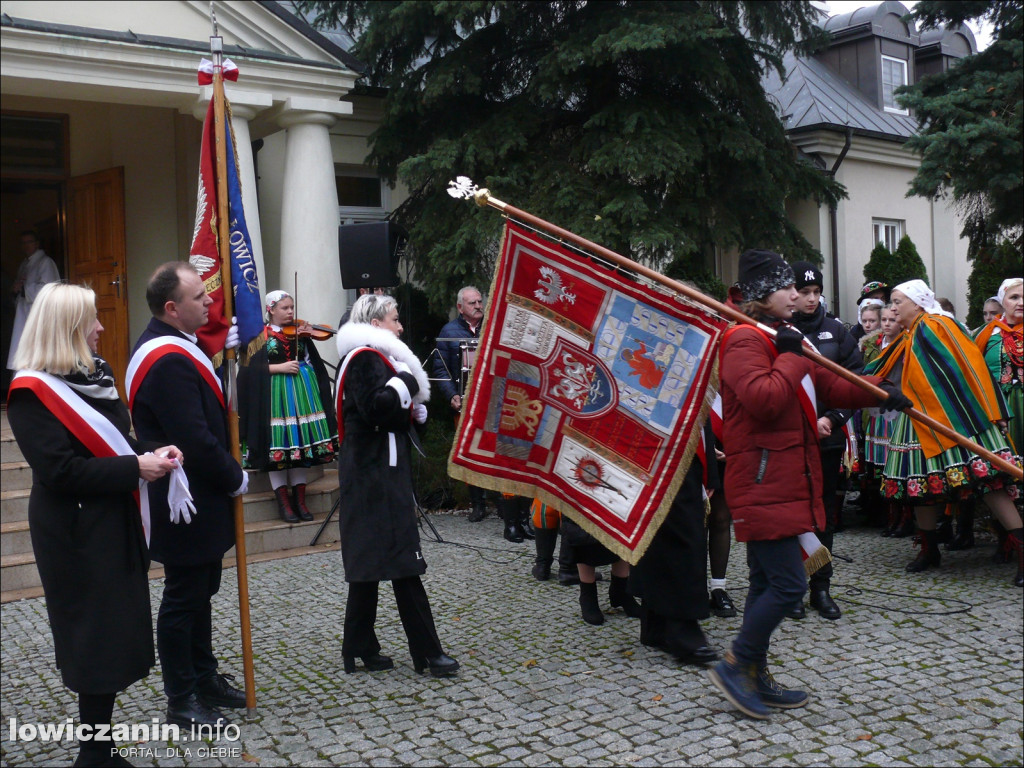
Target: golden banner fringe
<point x="818" y="560"/>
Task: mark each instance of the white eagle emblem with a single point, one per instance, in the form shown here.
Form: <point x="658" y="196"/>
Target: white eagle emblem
<point x="462" y="188"/>
<point x="203" y="264"/>
<point x="200" y="209"/>
<point x="550" y="289"/>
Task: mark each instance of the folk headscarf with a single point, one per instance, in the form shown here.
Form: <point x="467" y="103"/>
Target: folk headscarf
<point x="919" y="293"/>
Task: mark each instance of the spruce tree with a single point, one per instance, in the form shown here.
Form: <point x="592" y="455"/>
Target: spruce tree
<point x="641" y="125"/>
<point x="908" y="264"/>
<point x="881" y="265"/>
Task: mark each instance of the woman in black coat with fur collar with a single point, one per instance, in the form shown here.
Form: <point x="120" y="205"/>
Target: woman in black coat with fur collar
<point x="381" y="391"/>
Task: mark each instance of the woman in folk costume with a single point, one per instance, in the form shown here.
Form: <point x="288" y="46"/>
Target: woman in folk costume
<point x="88" y="531"/>
<point x="382" y="389"/>
<point x="944" y="373"/>
<point x="286" y="418"/>
<point x="773" y="474"/>
<point x="1003" y="346"/>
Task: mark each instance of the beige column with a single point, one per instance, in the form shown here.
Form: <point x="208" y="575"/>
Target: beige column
<point x="309" y="213"/>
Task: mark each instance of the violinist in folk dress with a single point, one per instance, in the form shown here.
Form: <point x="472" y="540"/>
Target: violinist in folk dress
<point x="286" y="411"/>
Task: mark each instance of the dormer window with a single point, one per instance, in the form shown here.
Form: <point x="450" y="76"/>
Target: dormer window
<point x="894" y="74"/>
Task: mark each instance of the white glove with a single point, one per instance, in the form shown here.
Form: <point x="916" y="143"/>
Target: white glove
<point x="179" y="497"/>
<point x="401" y="367"/>
<point x="244" y="486"/>
<point x="419" y="413"/>
<point x="232" y="340"/>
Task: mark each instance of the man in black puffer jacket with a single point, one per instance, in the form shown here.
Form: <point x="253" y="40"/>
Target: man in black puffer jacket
<point x="833" y="341"/>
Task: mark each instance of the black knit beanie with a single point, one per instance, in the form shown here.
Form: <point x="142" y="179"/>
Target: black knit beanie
<point x="807" y="274"/>
<point x="762" y="273"/>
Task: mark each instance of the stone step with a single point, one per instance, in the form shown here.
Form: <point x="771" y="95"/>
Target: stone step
<point x="157" y="571"/>
<point x="264" y="532"/>
<point x="9" y="449"/>
<point x="14" y="505"/>
<point x="15" y="475"/>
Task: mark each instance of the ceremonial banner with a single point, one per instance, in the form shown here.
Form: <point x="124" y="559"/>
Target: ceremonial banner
<point x="588" y="392"/>
<point x="205" y="256"/>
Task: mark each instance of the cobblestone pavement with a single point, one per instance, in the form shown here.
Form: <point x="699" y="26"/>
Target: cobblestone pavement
<point x="921" y="670"/>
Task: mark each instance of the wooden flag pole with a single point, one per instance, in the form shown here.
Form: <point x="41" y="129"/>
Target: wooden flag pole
<point x="231" y="391"/>
<point x="483" y="198"/>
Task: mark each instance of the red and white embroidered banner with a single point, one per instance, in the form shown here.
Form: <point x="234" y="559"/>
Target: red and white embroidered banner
<point x="588" y="392"/>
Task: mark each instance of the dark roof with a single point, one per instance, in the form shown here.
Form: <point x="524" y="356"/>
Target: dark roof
<point x="335" y="42"/>
<point x="174" y="43"/>
<point x="812" y="97"/>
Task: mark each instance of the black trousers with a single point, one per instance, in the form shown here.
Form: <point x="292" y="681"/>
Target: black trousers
<point x="413" y="608"/>
<point x="184" y="627"/>
<point x="831" y="460"/>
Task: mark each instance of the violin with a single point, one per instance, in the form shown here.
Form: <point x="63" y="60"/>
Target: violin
<point x="306" y="330"/>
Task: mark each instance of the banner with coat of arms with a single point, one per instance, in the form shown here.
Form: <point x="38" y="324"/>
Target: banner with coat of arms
<point x="588" y="391"/>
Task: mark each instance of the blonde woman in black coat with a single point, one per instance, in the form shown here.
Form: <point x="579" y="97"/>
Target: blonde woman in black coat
<point x="381" y="391"/>
<point x="87" y="528"/>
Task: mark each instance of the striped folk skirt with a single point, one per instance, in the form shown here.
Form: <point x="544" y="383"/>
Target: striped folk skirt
<point x="952" y="475"/>
<point x="299" y="431"/>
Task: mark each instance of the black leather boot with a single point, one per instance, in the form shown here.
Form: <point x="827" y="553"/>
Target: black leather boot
<point x="822" y="602"/>
<point x="509" y="509"/>
<point x="964" y="538"/>
<point x="568" y="576"/>
<point x="589" y="607"/>
<point x="478" y="499"/>
<point x="893" y="522"/>
<point x="619" y="597"/>
<point x="525" y="523"/>
<point x="929" y="554"/>
<point x="284" y="505"/>
<point x="299" y="503"/>
<point x="545" y="541"/>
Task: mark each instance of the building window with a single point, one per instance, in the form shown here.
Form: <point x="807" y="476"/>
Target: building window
<point x="362" y="196"/>
<point x="888" y="232"/>
<point x="894" y="74"/>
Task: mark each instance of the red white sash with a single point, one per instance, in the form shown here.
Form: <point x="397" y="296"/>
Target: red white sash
<point x="154" y="349"/>
<point x="88" y="425"/>
<point x="805" y="391"/>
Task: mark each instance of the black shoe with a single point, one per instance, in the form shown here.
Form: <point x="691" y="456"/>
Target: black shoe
<point x="798" y="612"/>
<point x="100" y="756"/>
<point x="589" y="607"/>
<point x="216" y="691"/>
<point x="479" y="512"/>
<point x="703" y="654"/>
<point x="438" y="666"/>
<point x="193" y="711"/>
<point x="373" y="663"/>
<point x="823" y="603"/>
<point x="721" y="604"/>
<point x="514" y="533"/>
<point x="929" y="554"/>
<point x="619" y="597"/>
<point x="568" y="578"/>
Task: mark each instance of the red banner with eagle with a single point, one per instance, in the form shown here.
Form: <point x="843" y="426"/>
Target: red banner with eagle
<point x="588" y="391"/>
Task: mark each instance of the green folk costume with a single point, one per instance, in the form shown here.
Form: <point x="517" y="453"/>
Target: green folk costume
<point x="943" y="372"/>
<point x="287" y="420"/>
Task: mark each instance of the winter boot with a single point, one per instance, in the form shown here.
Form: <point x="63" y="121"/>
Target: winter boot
<point x="619" y="597"/>
<point x="738" y="682"/>
<point x="774" y="695"/>
<point x="509" y="509"/>
<point x="929" y="554"/>
<point x="525" y="523"/>
<point x="299" y="503"/>
<point x="589" y="607"/>
<point x="284" y="505"/>
<point x="567" y="574"/>
<point x="545" y="541"/>
<point x="964" y="538"/>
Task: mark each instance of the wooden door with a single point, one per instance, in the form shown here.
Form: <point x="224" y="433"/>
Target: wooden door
<point x="96" y="257"/>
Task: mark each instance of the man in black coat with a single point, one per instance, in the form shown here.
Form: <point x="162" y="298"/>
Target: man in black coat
<point x="833" y="341"/>
<point x="447" y="368"/>
<point x="175" y="398"/>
